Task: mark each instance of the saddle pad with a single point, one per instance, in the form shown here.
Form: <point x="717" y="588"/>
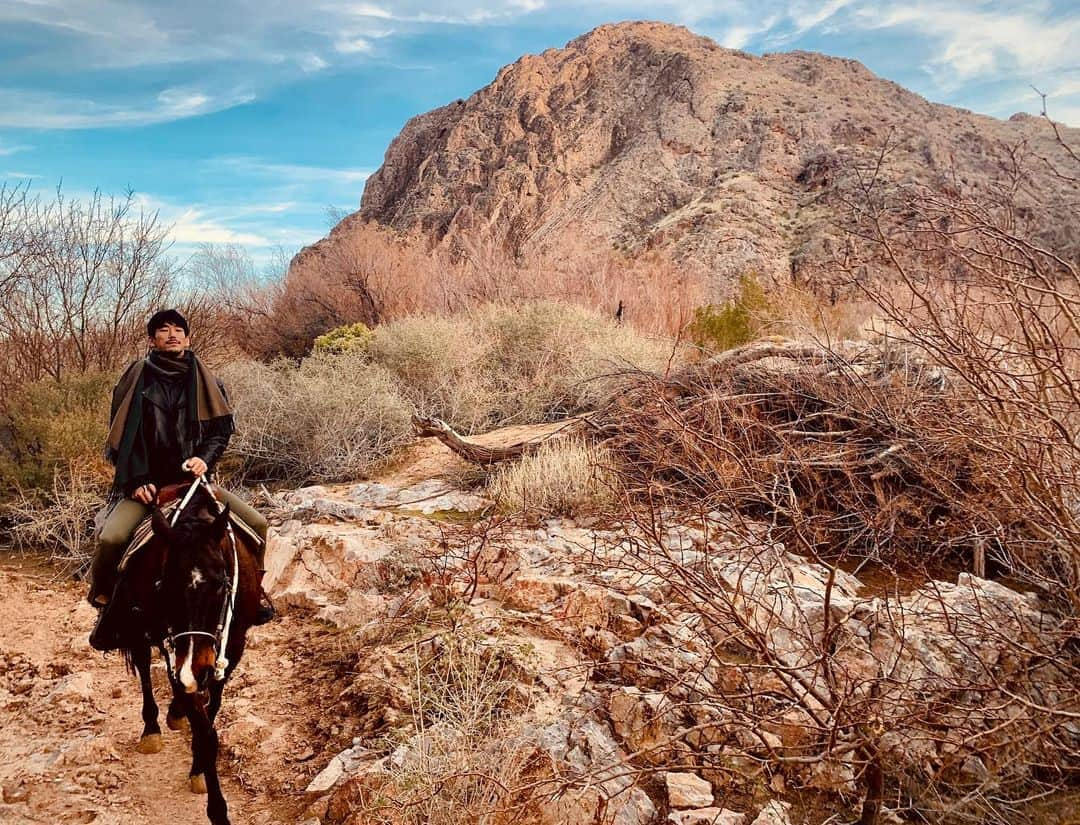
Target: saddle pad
<point x="145" y="531"/>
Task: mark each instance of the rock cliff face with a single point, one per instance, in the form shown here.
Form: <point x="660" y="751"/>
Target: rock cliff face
<point x="645" y="135"/>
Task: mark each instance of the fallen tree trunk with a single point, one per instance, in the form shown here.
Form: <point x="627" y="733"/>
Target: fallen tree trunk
<point x="484" y="455"/>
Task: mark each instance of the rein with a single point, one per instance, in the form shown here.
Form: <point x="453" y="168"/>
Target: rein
<point x="225" y="617"/>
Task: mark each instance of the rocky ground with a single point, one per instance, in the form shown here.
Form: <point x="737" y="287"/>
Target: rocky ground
<point x="426" y="655"/>
<point x="70" y="717"/>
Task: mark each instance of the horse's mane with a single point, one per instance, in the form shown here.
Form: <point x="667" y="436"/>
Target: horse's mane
<point x="197" y="509"/>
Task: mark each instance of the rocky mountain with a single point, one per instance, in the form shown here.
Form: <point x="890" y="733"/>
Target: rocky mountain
<point x="644" y="135"/>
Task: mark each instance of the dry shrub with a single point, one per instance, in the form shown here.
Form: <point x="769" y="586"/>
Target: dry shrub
<point x="438" y="363"/>
<point x="49" y="424"/>
<point x="462" y="757"/>
<point x="330" y="418"/>
<point x="370" y="274"/>
<point x="500" y="364"/>
<point x="557" y="360"/>
<point x="61" y="519"/>
<point x="862" y="450"/>
<point x="563" y="478"/>
<point x="968" y="280"/>
<point x="51" y="465"/>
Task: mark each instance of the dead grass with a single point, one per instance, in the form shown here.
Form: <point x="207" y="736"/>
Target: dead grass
<point x="562" y="478"/>
<point x="61" y="520"/>
<point x="463" y="756"/>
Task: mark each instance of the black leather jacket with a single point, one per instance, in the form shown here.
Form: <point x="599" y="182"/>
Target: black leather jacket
<point x="166" y="430"/>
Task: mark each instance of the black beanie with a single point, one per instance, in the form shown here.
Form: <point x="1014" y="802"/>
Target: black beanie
<point x="166" y="316"/>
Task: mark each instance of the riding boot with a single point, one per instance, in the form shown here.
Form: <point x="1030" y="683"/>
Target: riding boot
<point x="266" y="610"/>
<point x="103" y="636"/>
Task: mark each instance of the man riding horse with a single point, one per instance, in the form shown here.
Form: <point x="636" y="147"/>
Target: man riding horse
<point x="170" y="422"/>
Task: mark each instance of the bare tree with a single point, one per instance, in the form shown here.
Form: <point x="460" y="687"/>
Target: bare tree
<point x="80" y="278"/>
<point x="985" y="285"/>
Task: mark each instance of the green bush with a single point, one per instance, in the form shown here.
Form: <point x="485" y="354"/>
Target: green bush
<point x="349" y="338"/>
<point x="49" y="424"/>
<point x="732" y="324"/>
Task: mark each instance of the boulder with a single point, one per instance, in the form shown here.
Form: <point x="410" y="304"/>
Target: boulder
<point x="641" y="719"/>
<point x="707" y="816"/>
<point x="774" y="813"/>
<point x="687" y="790"/>
<point x="530" y="593"/>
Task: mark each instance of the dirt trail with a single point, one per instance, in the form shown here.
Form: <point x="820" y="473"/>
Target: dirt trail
<point x="70" y="718"/>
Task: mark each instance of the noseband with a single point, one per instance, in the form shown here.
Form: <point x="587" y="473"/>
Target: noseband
<point x="220" y="638"/>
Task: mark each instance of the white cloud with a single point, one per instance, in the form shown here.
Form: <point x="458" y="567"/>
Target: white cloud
<point x="193" y="226"/>
<point x="244" y="44"/>
<point x="183" y="103"/>
<point x="292" y="173"/>
<point x="20" y="108"/>
<point x="311" y="63"/>
<point x="353" y="45"/>
<point x="6" y="149"/>
<point x="980" y="41"/>
<point x="807" y="17"/>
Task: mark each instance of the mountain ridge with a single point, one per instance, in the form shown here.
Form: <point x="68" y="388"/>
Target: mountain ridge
<point x="646" y="135"/>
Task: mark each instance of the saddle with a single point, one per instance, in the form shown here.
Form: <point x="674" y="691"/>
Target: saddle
<point x="168" y="500"/>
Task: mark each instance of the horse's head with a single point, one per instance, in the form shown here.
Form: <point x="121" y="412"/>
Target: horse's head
<point x="195" y="586"/>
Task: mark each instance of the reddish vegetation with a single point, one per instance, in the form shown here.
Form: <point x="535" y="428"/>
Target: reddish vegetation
<point x="370" y="274"/>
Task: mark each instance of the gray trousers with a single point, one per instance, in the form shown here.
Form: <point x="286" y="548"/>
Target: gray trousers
<point x="125" y="517"/>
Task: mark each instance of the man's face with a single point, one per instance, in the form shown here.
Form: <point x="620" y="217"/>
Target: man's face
<point x="169" y="338"/>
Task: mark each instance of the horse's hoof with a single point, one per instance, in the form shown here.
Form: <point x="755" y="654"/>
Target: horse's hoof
<point x="198" y="783"/>
<point x="151" y="743"/>
<point x="177" y="723"/>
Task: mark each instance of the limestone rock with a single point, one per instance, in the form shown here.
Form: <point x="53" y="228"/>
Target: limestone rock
<point x="774" y="813"/>
<point x="641" y="720"/>
<point x="530" y="592"/>
<point x="688" y="790"/>
<point x="341" y="767"/>
<point x="707" y="816"/>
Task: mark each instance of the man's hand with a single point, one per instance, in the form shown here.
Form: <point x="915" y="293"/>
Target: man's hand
<point x="196" y="466"/>
<point x="145" y="494"/>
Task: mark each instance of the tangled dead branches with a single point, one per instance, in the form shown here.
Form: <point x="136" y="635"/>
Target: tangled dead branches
<point x="855" y="450"/>
<point x="858" y="450"/>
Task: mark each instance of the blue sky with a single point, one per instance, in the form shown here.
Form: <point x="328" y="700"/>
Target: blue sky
<point x="241" y="121"/>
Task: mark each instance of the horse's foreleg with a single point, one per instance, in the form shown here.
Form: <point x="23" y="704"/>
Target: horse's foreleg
<point x="198" y="782"/>
<point x="176" y="715"/>
<point x="216" y="689"/>
<point x="204" y="750"/>
<point x="150" y="741"/>
<point x="175" y="718"/>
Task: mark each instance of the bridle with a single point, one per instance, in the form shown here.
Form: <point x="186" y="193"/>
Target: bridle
<point x="220" y="637"/>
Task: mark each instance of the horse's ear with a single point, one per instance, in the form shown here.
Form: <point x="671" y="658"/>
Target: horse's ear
<point x="221" y="522"/>
<point x="160" y="524"/>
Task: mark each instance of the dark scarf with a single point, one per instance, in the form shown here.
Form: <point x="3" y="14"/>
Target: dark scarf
<point x="208" y="410"/>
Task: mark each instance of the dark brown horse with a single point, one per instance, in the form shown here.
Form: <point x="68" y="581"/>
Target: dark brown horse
<point x="192" y="592"/>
